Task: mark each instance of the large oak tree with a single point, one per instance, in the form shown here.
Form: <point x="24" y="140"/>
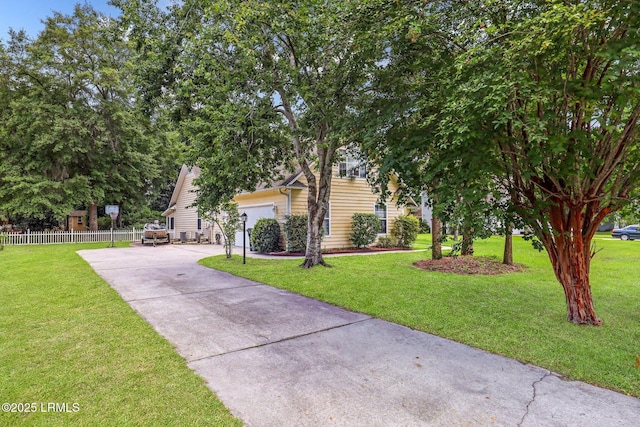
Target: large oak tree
<point x="261" y="87"/>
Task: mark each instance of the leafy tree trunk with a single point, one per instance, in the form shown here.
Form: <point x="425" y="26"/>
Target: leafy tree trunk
<point x="226" y="216"/>
<point x="319" y="191"/>
<point x="436" y="237"/>
<point x="313" y="253"/>
<point x="228" y="246"/>
<point x="507" y="257"/>
<point x="467" y="241"/>
<point x="93" y="216"/>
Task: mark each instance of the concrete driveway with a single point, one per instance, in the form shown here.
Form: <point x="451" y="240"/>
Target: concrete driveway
<point x="275" y="358"/>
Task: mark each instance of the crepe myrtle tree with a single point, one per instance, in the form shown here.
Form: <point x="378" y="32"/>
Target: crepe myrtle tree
<point x="552" y="89"/>
<point x="543" y="95"/>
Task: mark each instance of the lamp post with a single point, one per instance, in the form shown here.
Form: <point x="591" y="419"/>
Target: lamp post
<point x="243" y="218"/>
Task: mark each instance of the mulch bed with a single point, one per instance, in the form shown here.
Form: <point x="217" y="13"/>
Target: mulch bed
<point x="469" y="265"/>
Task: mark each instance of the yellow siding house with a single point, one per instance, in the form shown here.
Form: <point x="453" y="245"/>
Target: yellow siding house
<point x="350" y="193"/>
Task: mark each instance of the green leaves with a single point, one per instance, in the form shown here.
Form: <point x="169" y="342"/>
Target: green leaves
<point x="71" y="133"/>
<point x="364" y="229"/>
<point x="534" y="101"/>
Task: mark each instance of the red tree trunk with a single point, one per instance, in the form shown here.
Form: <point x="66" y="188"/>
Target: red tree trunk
<point x="569" y="248"/>
<point x="572" y="271"/>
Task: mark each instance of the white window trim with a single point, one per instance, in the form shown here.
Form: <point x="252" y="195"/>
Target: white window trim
<point x="327" y="216"/>
<point x="386" y="217"/>
<point x="352" y="163"/>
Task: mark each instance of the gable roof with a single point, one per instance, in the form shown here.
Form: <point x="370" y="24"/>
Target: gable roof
<point x="184" y="171"/>
<point x="289" y="181"/>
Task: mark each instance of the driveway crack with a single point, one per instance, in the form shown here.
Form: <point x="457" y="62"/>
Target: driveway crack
<point x="203" y="291"/>
<point x="292" y="337"/>
<point x="533" y="398"/>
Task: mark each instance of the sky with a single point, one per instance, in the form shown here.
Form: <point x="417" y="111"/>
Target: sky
<point x="27" y="14"/>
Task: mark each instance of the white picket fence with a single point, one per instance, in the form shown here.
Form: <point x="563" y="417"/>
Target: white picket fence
<point x="59" y="237"/>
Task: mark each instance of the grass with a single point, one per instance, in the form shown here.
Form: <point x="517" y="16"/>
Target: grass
<point x="519" y="315"/>
<point x="67" y="337"/>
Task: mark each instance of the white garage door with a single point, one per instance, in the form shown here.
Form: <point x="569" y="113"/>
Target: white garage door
<point x="254" y="213"/>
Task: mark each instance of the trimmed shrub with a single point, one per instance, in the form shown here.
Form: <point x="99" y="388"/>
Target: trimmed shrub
<point x="405" y="230"/>
<point x="386" y="242"/>
<point x="295" y="232"/>
<point x="265" y="235"/>
<point x="364" y="229"/>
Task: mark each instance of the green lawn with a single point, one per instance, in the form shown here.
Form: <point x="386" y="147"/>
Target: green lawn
<point x="520" y="315"/>
<point x="66" y="337"/>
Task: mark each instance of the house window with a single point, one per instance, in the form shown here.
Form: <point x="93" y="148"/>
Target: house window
<point x="380" y="209"/>
<point x="199" y="224"/>
<point x="79" y="220"/>
<point x="352" y="167"/>
<point x="326" y="224"/>
<point x="171" y="223"/>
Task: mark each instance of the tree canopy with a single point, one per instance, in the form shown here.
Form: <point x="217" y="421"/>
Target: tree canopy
<point x="265" y="88"/>
<point x="535" y="102"/>
<point x="542" y="95"/>
<point x="71" y="135"/>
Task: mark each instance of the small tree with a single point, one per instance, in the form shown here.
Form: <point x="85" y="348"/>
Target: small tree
<point x="227" y="218"/>
<point x="364" y="229"/>
<point x="405" y="230"/>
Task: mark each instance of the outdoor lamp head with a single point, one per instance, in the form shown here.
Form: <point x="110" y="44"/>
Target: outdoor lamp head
<point x="243" y="217"/>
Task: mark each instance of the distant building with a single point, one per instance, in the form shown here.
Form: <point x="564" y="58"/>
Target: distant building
<point x="77" y="221"/>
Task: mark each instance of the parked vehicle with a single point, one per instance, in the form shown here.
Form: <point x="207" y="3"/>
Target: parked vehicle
<point x="155" y="233"/>
<point x="630" y="232"/>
